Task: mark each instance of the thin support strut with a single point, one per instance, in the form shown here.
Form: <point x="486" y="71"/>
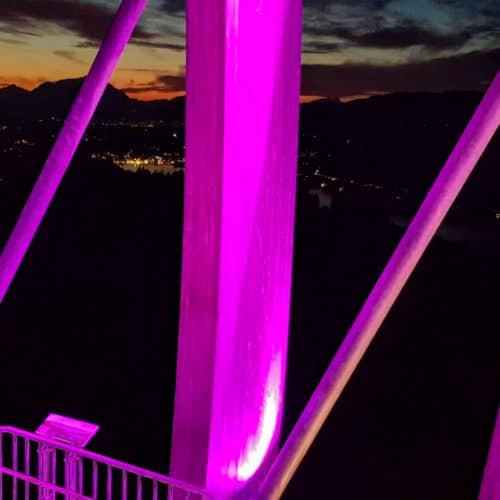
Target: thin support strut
<point x="438" y="201"/>
<point x="70" y="136"/>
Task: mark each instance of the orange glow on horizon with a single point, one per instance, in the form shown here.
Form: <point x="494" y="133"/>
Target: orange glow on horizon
<point x="310" y="98"/>
<point x="25" y="83"/>
<point x="357" y="97"/>
<point x="155" y="95"/>
<point x="354" y="97"/>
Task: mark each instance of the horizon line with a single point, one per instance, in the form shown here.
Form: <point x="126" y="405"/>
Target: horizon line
<point x="304" y="98"/>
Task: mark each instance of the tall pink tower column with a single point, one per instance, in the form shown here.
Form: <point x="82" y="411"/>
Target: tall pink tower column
<point x="243" y="72"/>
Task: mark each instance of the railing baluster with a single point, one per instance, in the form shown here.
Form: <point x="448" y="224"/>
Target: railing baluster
<point x="80" y="475"/>
<point x="94" y="479"/>
<point x="44" y="462"/>
<point x="14" y="466"/>
<point x="139" y="488"/>
<point x="72" y="466"/>
<point x="67" y="475"/>
<point x="27" y="452"/>
<point x="109" y="484"/>
<point x="155" y="490"/>
<point x="53" y="466"/>
<point x="124" y="485"/>
<point x="1" y="465"/>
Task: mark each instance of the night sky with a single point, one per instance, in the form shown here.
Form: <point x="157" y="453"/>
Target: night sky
<point x="350" y="47"/>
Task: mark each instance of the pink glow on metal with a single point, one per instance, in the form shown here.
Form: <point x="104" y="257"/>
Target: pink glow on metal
<point x="70" y="136"/>
<point x="258" y="445"/>
<point x="438" y="201"/>
<point x="243" y="71"/>
<point x="490" y="486"/>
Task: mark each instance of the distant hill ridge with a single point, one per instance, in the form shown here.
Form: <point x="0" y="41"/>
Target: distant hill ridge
<point x="12" y="91"/>
<point x="53" y="99"/>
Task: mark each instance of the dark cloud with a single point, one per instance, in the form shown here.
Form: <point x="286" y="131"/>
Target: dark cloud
<point x="319" y="47"/>
<point x="398" y="37"/>
<point x="324" y="4"/>
<point x="172" y="82"/>
<point x="174" y="6"/>
<point x="177" y="47"/>
<point x="89" y="21"/>
<point x="161" y="45"/>
<point x="464" y="72"/>
<point x="162" y="83"/>
<point x="11" y="41"/>
<point x="404" y="36"/>
<point x="87" y="44"/>
<point x="68" y="55"/>
<point x="492" y="12"/>
<point x="382" y="25"/>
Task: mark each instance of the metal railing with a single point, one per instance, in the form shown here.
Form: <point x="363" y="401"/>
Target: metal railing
<point x="35" y="467"/>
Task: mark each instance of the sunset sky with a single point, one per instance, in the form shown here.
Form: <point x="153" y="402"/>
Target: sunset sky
<point x="350" y="47"/>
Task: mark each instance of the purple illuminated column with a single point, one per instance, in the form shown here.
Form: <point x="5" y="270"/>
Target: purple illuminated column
<point x="243" y="71"/>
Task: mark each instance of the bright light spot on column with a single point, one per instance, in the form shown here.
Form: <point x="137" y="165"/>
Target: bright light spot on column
<point x="258" y="444"/>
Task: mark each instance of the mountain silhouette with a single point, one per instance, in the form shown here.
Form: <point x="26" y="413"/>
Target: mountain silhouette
<point x="54" y="99"/>
<point x="12" y="92"/>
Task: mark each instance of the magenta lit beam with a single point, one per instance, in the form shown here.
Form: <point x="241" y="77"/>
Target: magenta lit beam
<point x="490" y="486"/>
<point x="438" y="201"/>
<point x="70" y="136"/>
<point x="243" y="71"/>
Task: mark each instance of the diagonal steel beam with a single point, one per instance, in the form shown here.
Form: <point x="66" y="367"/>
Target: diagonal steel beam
<point x="438" y="201"/>
<point x="490" y="486"/>
<point x="70" y="136"/>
